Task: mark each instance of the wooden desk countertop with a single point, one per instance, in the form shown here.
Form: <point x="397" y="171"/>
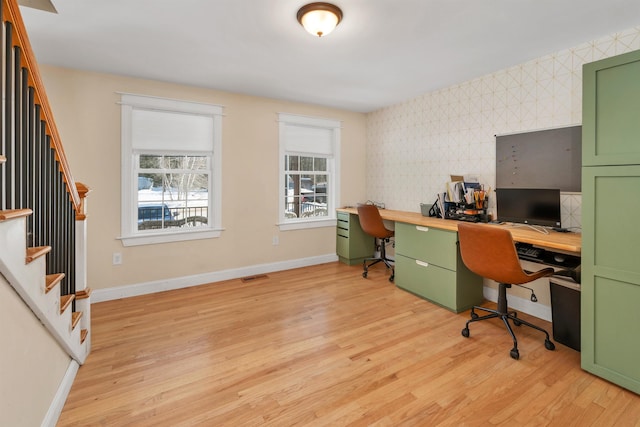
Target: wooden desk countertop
<point x="571" y="243"/>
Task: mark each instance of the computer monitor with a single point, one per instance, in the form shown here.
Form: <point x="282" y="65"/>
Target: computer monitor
<point x="533" y="206"/>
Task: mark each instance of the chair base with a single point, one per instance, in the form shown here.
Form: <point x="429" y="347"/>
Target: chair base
<point x="382" y="258"/>
<point x="386" y="262"/>
<point x="503" y="313"/>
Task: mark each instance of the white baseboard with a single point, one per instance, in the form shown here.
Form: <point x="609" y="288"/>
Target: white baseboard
<point x="51" y="418"/>
<point x="99" y="295"/>
<point x="520" y="304"/>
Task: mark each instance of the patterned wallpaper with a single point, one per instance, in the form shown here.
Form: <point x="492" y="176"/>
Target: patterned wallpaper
<point x="413" y="147"/>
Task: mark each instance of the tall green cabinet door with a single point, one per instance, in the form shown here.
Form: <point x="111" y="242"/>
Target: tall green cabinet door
<point x="611" y="274"/>
<point x="610" y="227"/>
<point x="611" y="111"/>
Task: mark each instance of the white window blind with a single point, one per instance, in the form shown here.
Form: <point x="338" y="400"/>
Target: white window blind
<point x="163" y="130"/>
<point x="306" y="140"/>
<point x="308" y="135"/>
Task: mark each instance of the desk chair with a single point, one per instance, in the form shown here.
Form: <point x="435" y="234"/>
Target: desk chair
<point x="372" y="224"/>
<point x="489" y="252"/>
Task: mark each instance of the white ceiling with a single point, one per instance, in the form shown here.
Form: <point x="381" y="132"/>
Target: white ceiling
<point x="383" y="52"/>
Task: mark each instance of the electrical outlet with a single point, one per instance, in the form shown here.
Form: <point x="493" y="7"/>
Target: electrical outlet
<point x="117" y="258"/>
<point x="275" y="241"/>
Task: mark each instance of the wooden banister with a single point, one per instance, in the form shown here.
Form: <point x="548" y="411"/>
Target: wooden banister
<point x="11" y="13"/>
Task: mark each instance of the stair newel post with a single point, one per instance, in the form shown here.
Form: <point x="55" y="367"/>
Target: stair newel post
<point x="83" y="302"/>
<point x="81" y="238"/>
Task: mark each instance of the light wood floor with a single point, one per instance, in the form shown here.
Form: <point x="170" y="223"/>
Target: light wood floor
<point x="323" y="346"/>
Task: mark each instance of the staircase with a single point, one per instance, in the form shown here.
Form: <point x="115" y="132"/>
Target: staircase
<point x="42" y="218"/>
<point x="25" y="270"/>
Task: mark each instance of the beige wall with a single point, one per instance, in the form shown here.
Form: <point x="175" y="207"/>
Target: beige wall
<point x="32" y="364"/>
<point x="88" y="117"/>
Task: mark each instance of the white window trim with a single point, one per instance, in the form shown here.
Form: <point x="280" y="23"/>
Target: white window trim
<point x="335" y="126"/>
<point x="129" y="235"/>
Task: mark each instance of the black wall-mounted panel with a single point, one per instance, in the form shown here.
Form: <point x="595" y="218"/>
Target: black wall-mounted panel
<point x="549" y="158"/>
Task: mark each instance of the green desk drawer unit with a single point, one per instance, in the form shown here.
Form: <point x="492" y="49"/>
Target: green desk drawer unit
<point x="352" y="244"/>
<point x="428" y="264"/>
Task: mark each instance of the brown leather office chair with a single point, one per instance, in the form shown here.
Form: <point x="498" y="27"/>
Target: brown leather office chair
<point x="490" y="252"/>
<point x="372" y="224"/>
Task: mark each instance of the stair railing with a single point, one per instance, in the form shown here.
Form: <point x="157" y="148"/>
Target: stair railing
<point x="35" y="173"/>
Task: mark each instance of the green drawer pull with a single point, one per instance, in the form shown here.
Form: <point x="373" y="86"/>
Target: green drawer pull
<point x="421" y="228"/>
<point x="422" y="263"/>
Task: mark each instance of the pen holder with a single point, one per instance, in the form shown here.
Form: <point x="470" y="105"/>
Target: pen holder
<point x="482" y="209"/>
<point x="480" y="198"/>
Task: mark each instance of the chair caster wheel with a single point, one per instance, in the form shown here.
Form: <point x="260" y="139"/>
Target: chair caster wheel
<point x="474" y="315"/>
<point x="549" y="345"/>
<point x="515" y="354"/>
<point x="516" y="321"/>
<point x="364" y="274"/>
<point x="465" y="332"/>
<point x="391" y="279"/>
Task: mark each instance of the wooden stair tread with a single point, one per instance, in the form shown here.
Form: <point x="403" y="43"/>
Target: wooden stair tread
<point x="83" y="335"/>
<point x="51" y="280"/>
<point x="14" y="213"/>
<point x="75" y="318"/>
<point x="36" y="252"/>
<point x="83" y="294"/>
<point x="65" y="301"/>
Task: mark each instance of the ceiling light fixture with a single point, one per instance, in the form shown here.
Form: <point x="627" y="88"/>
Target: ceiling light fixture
<point x="319" y="19"/>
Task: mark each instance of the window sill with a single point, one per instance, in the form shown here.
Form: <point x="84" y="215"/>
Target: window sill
<point x="304" y="224"/>
<point x="169" y="237"/>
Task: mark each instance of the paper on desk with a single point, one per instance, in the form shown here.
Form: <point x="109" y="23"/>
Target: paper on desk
<point x="455" y="191"/>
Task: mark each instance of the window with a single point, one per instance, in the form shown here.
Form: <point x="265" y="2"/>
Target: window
<point x="170" y="170"/>
<point x="309" y="159"/>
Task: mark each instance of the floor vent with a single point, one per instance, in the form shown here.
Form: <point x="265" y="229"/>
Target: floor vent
<point x="253" y="278"/>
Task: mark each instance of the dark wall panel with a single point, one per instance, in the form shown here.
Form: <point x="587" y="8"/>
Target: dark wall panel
<point x="549" y="158"/>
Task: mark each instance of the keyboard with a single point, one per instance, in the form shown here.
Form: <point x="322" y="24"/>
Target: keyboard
<point x="469" y="218"/>
<point x="530" y="252"/>
<point x="462" y="217"/>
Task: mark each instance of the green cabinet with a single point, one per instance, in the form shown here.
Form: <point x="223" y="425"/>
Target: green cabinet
<point x="352" y="244"/>
<point x="610" y="293"/>
<point x="428" y="264"/>
<point x="611" y="111"/>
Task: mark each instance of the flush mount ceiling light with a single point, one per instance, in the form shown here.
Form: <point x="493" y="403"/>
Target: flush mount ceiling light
<point x="319" y="19"/>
